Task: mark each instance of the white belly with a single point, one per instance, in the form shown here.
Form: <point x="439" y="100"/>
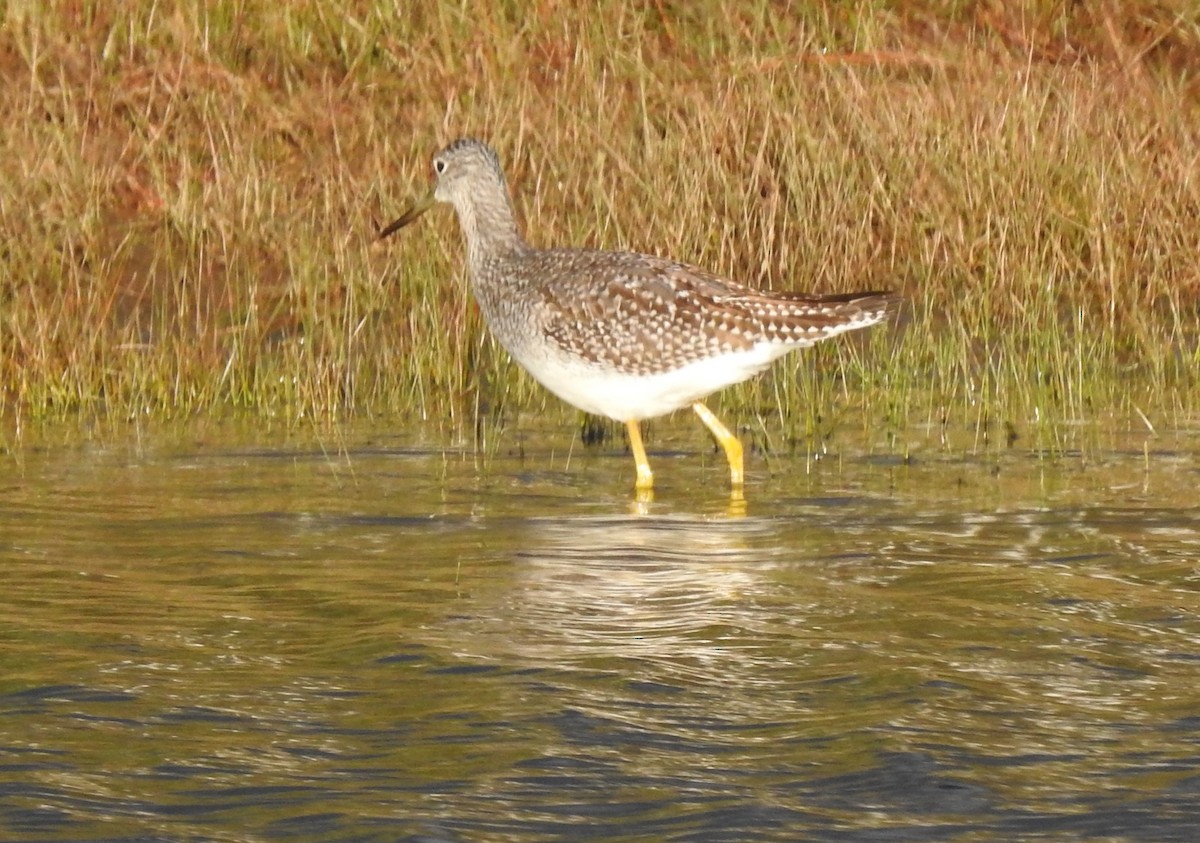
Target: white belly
<point x="602" y="392"/>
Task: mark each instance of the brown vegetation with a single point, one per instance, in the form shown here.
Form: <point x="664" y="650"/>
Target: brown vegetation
<point x="188" y="193"/>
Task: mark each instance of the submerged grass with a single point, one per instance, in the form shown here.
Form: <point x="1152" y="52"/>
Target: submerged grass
<point x="190" y="191"/>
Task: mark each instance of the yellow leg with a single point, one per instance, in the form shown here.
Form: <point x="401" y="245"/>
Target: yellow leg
<point x="645" y="477"/>
<point x="733" y="448"/>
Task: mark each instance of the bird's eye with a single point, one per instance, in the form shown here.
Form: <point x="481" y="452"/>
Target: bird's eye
<point x="439" y="166"/>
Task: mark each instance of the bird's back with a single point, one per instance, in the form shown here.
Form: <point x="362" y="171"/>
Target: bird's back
<point x="640" y="314"/>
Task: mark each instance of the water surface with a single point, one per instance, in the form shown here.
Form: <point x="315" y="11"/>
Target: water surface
<point x="386" y="640"/>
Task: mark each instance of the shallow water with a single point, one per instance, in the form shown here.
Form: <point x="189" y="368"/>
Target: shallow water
<point x="390" y="641"/>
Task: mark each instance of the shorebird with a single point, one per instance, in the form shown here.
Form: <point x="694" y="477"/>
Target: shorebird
<point x="619" y="334"/>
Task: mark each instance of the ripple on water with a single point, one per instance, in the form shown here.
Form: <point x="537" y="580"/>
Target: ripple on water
<point x="393" y="645"/>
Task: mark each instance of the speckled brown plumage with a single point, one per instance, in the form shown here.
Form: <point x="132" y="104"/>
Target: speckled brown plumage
<point x="643" y="315"/>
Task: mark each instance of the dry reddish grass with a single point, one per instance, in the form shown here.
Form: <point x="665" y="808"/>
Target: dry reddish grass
<point x="189" y="192"/>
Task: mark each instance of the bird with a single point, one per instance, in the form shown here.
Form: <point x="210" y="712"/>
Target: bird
<point x="620" y="334"/>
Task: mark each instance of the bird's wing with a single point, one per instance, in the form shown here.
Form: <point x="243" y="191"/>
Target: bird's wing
<point x="642" y="314"/>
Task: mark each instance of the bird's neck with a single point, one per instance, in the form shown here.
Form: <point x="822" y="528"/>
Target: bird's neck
<point x="490" y="227"/>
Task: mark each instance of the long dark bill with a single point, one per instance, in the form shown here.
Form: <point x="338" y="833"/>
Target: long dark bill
<point x="408" y="216"/>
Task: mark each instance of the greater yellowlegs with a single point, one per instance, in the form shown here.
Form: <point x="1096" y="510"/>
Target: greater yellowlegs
<point x="619" y="334"/>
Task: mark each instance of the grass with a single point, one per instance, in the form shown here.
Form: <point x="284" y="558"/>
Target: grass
<point x="188" y="193"/>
